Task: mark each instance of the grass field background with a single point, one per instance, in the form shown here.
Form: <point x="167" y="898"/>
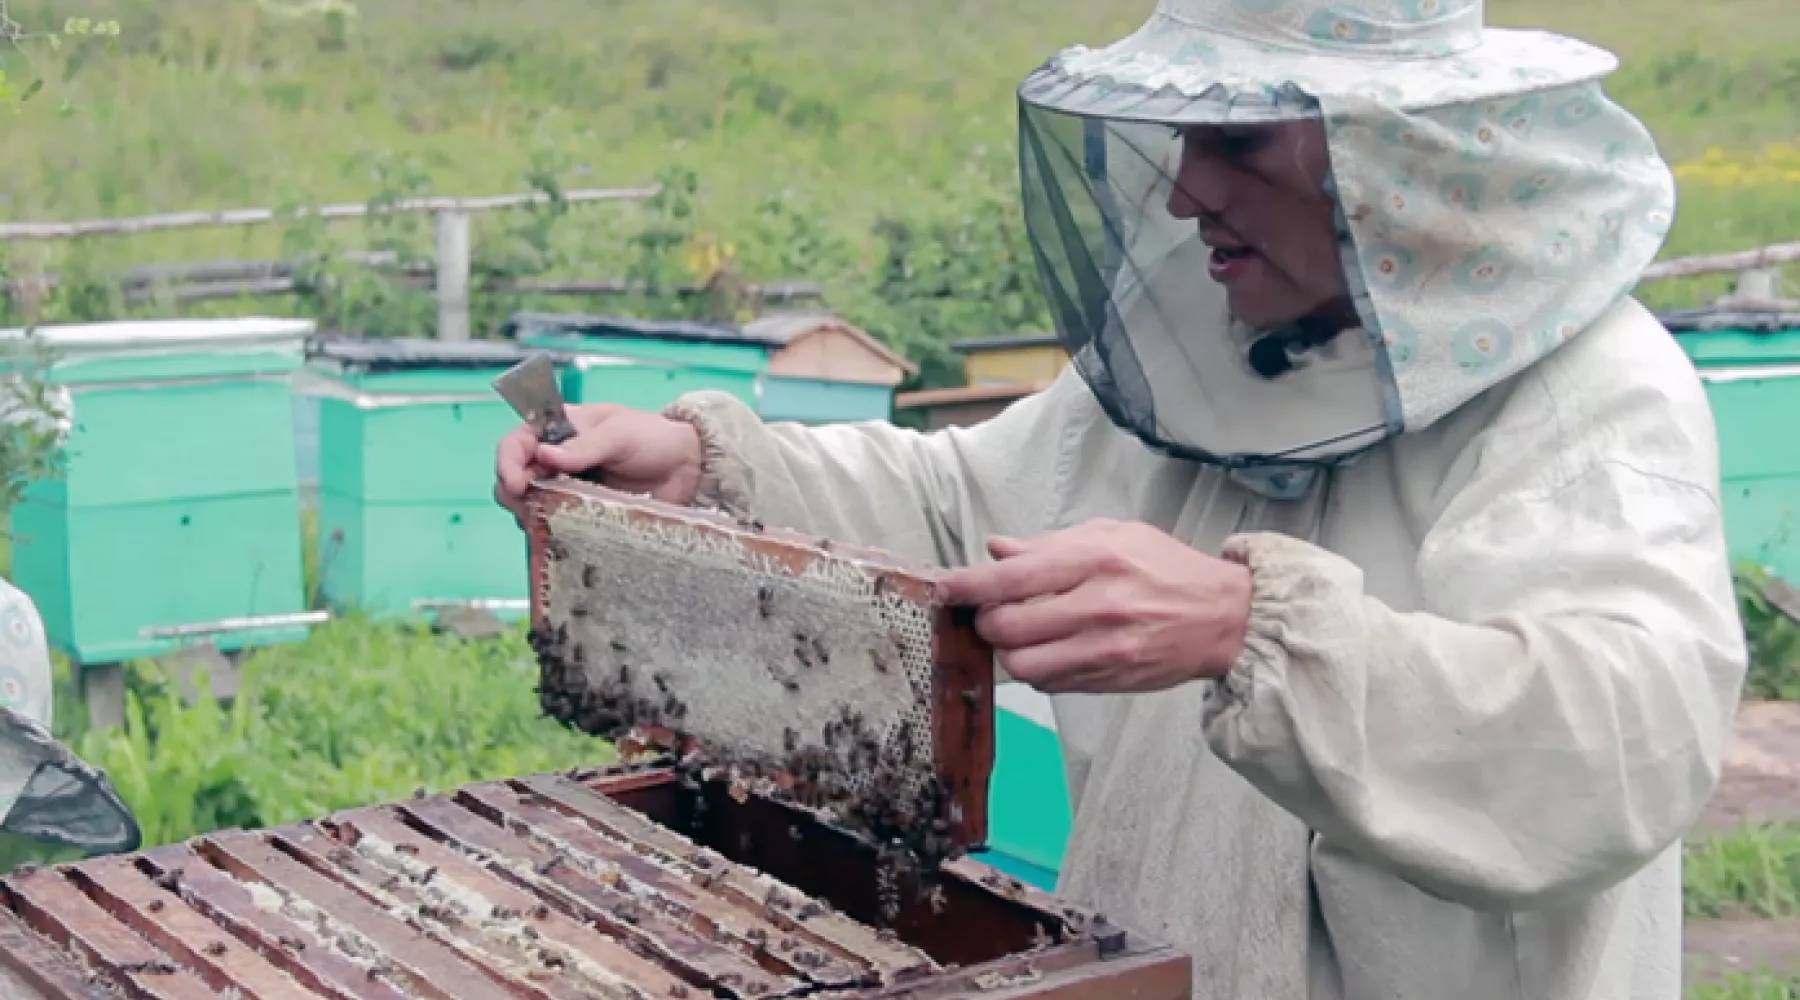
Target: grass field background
<point x="865" y="145"/>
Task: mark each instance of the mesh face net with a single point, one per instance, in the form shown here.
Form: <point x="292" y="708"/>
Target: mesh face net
<point x="1196" y="277"/>
<point x="1271" y="295"/>
<point x="60" y="799"/>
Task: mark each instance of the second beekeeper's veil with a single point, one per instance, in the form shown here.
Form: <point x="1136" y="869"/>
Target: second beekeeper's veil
<point x="47" y="793"/>
<point x="1486" y="202"/>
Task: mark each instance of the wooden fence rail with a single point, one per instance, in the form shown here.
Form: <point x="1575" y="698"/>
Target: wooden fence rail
<point x="182" y="283"/>
<point x="450" y="274"/>
<point x="451" y="277"/>
<point x="1724" y="263"/>
<point x="15" y="231"/>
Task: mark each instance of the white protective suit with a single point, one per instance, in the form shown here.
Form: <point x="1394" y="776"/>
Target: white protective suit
<point x="1473" y="716"/>
<point x="1492" y="662"/>
<point x="1494" y="653"/>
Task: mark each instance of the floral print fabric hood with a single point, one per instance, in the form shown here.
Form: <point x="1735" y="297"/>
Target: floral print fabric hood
<point x="1487" y="235"/>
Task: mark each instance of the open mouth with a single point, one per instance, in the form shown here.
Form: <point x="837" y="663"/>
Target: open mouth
<point x="1227" y="263"/>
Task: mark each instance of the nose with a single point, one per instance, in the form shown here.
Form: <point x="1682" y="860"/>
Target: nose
<point x="1203" y="183"/>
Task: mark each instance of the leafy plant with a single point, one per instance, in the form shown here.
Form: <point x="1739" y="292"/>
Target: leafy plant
<point x="359" y="713"/>
<point x="655" y="270"/>
<point x="32" y="415"/>
<point x="1773" y="637"/>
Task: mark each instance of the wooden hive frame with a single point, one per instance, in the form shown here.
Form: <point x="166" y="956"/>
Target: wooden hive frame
<point x="551" y="887"/>
<point x="952" y="819"/>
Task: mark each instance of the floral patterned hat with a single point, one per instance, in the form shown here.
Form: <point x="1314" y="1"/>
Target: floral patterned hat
<point x="1237" y="60"/>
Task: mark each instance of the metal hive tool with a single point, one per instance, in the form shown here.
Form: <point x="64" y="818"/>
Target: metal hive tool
<point x="551" y="887"/>
<point x="788" y="667"/>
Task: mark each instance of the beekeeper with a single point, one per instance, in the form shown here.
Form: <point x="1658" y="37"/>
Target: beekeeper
<point x="1371" y="546"/>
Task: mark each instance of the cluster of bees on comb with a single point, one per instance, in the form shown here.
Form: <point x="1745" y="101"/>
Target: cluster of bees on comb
<point x="849" y="776"/>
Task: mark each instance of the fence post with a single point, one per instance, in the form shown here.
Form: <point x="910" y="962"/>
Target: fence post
<point x="453" y="274"/>
<point x="1761" y="285"/>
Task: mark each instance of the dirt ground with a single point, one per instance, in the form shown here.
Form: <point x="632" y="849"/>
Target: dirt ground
<point x="1717" y="948"/>
<point x="1762" y="769"/>
<point x="1761" y="783"/>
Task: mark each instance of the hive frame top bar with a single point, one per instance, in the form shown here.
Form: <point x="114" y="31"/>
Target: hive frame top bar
<point x="962" y="682"/>
<point x="918" y="575"/>
<point x="549" y="887"/>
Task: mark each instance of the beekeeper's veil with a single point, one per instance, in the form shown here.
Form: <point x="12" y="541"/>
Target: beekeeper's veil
<point x="46" y="792"/>
<point x="1485" y="202"/>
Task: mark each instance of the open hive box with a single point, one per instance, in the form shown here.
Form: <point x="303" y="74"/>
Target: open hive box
<point x="816" y="735"/>
<point x="624" y="883"/>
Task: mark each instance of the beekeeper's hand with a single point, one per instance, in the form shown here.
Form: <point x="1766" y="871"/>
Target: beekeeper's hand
<point x="1107" y="607"/>
<point x="634" y="451"/>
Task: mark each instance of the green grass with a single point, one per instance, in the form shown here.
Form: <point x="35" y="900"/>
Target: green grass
<point x="1774" y="641"/>
<point x="1748" y="986"/>
<point x="1753" y="871"/>
<point x="835" y="141"/>
<point x="359" y="713"/>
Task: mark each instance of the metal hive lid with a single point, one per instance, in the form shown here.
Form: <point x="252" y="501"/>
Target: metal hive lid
<point x="391" y="354"/>
<point x="585" y="324"/>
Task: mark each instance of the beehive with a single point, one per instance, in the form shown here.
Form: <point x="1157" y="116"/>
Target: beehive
<point x="824" y="676"/>
<point x="623" y="883"/>
<point x="1750" y="364"/>
<point x="176" y="453"/>
<point x="407" y="519"/>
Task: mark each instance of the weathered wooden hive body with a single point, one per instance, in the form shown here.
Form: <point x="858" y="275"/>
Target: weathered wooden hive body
<point x="625" y="883"/>
<point x="817" y="736"/>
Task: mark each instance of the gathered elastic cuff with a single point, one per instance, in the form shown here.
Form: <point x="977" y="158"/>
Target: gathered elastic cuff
<point x="725" y="482"/>
<point x="1279" y="590"/>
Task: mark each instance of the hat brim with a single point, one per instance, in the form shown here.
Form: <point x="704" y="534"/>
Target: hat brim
<point x="1196" y="79"/>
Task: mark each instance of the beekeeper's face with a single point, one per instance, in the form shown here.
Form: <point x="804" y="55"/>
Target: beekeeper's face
<point x="1258" y="194"/>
